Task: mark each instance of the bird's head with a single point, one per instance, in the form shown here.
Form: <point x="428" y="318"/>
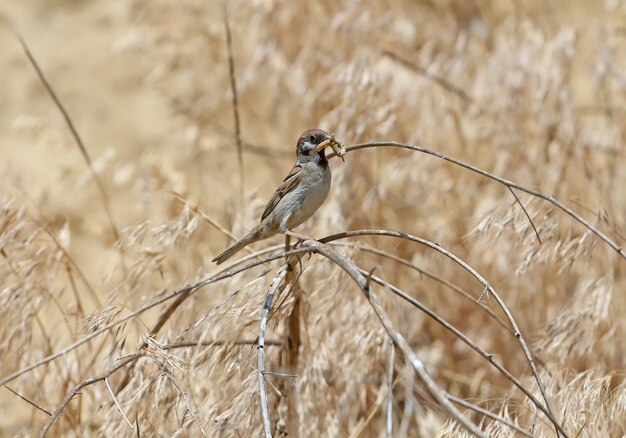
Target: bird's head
<point x="312" y="145"/>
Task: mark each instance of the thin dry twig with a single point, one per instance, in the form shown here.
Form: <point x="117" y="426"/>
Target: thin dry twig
<point x="476" y="275"/>
<point x="191" y="411"/>
<point x="489" y="357"/>
<point x="432" y="276"/>
<point x="442" y="82"/>
<point x="390" y="369"/>
<point x="267" y="307"/>
<point x="217" y="343"/>
<point x="30" y="402"/>
<point x="491" y="415"/>
<point x="548" y="198"/>
<point x="117" y="405"/>
<point x="45" y="228"/>
<point x="532" y="224"/>
<point x="77" y="138"/>
<point x="431" y="385"/>
<point x="235" y="99"/>
<point x="82" y="385"/>
<point x="183" y="290"/>
<point x="278" y="283"/>
<point x="206" y="217"/>
<point x="265" y="410"/>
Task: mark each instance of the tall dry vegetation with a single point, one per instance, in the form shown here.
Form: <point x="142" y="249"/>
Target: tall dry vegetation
<point x="531" y="91"/>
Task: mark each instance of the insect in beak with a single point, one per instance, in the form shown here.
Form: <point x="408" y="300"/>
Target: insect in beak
<point x="337" y="146"/>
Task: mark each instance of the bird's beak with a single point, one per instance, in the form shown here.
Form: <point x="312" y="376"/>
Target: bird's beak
<point x="323" y="145"/>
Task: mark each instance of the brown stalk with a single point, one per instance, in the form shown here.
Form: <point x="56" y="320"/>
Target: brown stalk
<point x="217" y="343"/>
<point x="80" y="311"/>
<point x="432" y="276"/>
<point x="30" y="402"/>
<point x="487" y="356"/>
<point x="191" y="411"/>
<point x="548" y="198"/>
<point x="277" y="282"/>
<point x="192" y="287"/>
<point x="235" y="99"/>
<point x="431" y="386"/>
<point x="70" y="125"/>
<point x="81" y="385"/>
<point x="293" y="342"/>
<point x="487" y="413"/>
<point x="476" y="275"/>
<point x="526" y="213"/>
<point x="390" y="372"/>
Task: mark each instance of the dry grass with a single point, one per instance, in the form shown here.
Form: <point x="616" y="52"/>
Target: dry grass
<point x="531" y="91"/>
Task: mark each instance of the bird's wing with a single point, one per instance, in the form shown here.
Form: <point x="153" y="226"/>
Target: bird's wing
<point x="288" y="184"/>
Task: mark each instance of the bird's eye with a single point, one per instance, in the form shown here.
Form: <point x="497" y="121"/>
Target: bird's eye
<point x="312" y="138"/>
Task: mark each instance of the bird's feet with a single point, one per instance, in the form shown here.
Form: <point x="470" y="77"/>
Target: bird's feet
<point x="300" y="237"/>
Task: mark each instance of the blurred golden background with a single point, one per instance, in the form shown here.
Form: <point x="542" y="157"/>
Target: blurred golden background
<point x="533" y="91"/>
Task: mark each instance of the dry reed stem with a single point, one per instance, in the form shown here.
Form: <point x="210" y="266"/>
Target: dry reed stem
<point x="548" y="198"/>
<point x="455" y="288"/>
<point x="487" y="356"/>
<point x="293" y="341"/>
<point x="277" y="281"/>
<point x="532" y="224"/>
<point x="117" y="404"/>
<point x="235" y="100"/>
<point x="263" y="402"/>
<point x="491" y="415"/>
<point x="70" y="259"/>
<point x="217" y="343"/>
<point x="481" y="279"/>
<point x="183" y="290"/>
<point x="189" y="408"/>
<point x="30" y="402"/>
<point x="432" y="387"/>
<point x="83" y="384"/>
<point x="71" y="127"/>
<point x="390" y="371"/>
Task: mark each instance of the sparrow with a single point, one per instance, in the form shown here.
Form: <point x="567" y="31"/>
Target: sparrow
<point x="299" y="196"/>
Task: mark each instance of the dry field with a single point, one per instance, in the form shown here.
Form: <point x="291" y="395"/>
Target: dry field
<point x="531" y="91"/>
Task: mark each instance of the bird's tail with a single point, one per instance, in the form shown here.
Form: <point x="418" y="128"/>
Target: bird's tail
<point x="236" y="247"/>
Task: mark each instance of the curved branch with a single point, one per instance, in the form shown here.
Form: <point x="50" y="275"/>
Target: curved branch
<point x="434" y="277"/>
<point x="510" y="184"/>
<point x="474" y="273"/>
<point x="487" y="413"/>
<point x="183" y="290"/>
<point x="80" y="386"/>
<point x="489" y="357"/>
<point x="431" y="385"/>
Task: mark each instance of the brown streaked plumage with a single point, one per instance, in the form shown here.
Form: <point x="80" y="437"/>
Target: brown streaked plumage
<point x="298" y="197"/>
